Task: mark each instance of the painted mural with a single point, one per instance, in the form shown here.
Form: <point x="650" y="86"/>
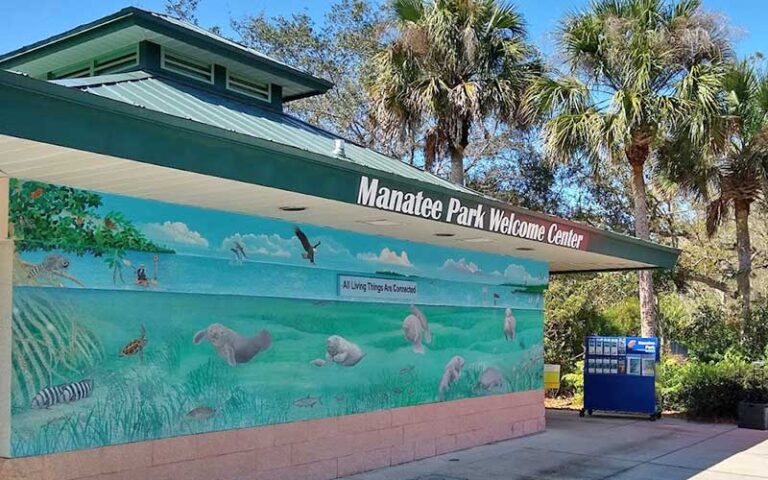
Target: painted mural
<point x="136" y="320"/>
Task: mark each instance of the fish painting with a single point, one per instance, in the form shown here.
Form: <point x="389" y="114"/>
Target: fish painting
<point x="201" y="413"/>
<point x="308" y="402"/>
<point x="309" y="249"/>
<point x="135" y="346"/>
<point x="64" y="393"/>
<point x="53" y="263"/>
<point x="414" y="326"/>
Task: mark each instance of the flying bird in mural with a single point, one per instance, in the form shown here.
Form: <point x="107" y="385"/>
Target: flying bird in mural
<point x="309" y="249"/>
<point x="239" y="252"/>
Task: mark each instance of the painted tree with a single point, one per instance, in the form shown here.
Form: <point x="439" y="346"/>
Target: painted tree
<point x="637" y="67"/>
<point x="727" y="168"/>
<point x="452" y="65"/>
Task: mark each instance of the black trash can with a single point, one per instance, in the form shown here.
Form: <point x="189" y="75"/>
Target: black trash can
<point x="753" y="415"/>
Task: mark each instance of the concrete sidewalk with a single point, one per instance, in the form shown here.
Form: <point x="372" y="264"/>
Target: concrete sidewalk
<point x="601" y="448"/>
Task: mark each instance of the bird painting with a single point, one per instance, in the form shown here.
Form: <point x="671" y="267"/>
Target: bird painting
<point x="309" y="249"/>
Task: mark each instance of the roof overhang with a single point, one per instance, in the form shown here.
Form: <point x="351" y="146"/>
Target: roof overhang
<point x="132" y="25"/>
<point x="59" y="135"/>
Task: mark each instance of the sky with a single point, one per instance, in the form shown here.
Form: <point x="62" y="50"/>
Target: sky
<point x="25" y="21"/>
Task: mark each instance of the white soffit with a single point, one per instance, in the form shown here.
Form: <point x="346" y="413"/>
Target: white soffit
<point x="59" y="165"/>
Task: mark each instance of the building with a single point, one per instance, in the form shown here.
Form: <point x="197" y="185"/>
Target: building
<point x="196" y="285"/>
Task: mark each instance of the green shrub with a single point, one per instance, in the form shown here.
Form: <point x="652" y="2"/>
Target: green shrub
<point x="709" y="335"/>
<point x="572" y="384"/>
<point x="711" y="389"/>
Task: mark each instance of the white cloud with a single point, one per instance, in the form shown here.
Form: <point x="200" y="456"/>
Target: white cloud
<point x="261" y="244"/>
<point x="461" y="265"/>
<point x="173" y="232"/>
<point x="518" y="274"/>
<point x="387" y="256"/>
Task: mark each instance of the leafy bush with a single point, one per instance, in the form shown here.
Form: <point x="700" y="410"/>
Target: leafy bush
<point x="712" y="389"/>
<point x="755" y="342"/>
<point x="572" y="384"/>
<point x="709" y="335"/>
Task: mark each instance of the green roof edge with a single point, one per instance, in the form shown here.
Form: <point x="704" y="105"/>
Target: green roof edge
<point x="283" y="167"/>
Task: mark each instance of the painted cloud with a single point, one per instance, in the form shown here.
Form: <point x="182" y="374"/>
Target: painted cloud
<point x="518" y="274"/>
<point x="173" y="232"/>
<point x="387" y="256"/>
<point x="461" y="266"/>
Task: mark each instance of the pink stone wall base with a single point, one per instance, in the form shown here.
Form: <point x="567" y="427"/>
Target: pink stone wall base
<point x="313" y="450"/>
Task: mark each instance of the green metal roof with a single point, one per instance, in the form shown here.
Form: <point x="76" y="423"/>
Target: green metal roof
<point x="183" y="100"/>
<point x="132" y="25"/>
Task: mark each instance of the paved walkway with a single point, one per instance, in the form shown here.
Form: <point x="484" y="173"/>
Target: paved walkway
<point x="602" y="448"/>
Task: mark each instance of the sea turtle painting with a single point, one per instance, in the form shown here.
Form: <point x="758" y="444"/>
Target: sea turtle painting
<point x="136" y="346"/>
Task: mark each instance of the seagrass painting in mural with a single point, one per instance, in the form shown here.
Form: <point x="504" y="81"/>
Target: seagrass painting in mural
<point x="169" y="320"/>
<point x="53" y="348"/>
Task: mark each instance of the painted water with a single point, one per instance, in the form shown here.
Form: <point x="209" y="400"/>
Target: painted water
<point x="157" y="396"/>
<point x="137" y="320"/>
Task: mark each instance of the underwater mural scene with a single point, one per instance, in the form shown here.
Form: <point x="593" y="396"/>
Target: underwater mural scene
<point x="137" y="320"/>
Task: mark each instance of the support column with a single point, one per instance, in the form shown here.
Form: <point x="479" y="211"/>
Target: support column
<point x="6" y="307"/>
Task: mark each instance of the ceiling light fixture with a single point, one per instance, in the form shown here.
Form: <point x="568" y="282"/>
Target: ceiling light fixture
<point x="478" y="240"/>
<point x="293" y="209"/>
<point x="445" y="234"/>
<point x="381" y="223"/>
<point x="524" y="249"/>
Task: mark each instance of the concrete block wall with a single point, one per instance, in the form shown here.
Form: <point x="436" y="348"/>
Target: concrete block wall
<point x="313" y="450"/>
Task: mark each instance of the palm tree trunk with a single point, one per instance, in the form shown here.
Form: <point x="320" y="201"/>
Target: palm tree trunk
<point x="642" y="231"/>
<point x="457" y="165"/>
<point x="745" y="262"/>
<point x="457" y="155"/>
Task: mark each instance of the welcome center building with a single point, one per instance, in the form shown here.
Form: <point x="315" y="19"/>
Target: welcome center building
<point x="194" y="284"/>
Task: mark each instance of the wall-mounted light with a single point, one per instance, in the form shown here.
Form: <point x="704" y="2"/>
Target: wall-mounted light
<point x="293" y="209"/>
<point x="445" y="234"/>
<point x="524" y="249"/>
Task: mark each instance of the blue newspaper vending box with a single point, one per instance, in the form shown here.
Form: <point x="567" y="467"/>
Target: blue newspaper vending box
<point x="620" y="375"/>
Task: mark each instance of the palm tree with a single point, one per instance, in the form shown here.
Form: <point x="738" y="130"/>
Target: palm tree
<point x="631" y="64"/>
<point x="728" y="167"/>
<point x="452" y="65"/>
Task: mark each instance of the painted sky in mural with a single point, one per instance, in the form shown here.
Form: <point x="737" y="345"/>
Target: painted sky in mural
<point x="194" y="231"/>
<point x="221" y="252"/>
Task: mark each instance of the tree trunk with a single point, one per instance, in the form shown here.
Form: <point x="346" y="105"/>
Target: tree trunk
<point x="457" y="155"/>
<point x="637" y="154"/>
<point x="745" y="262"/>
<point x="457" y="165"/>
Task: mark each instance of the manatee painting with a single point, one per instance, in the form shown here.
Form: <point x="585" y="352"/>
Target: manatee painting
<point x="451" y="374"/>
<point x="413" y="326"/>
<point x="343" y="352"/>
<point x="490" y="378"/>
<point x="231" y="346"/>
<point x="509" y="324"/>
